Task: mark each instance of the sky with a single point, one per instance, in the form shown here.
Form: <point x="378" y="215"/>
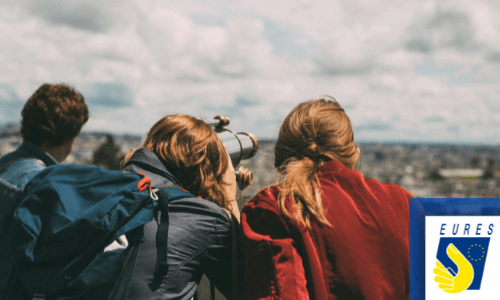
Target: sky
<point x="404" y="71"/>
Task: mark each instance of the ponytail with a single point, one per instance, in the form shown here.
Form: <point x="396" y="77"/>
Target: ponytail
<point x="302" y="185"/>
<point x="314" y="132"/>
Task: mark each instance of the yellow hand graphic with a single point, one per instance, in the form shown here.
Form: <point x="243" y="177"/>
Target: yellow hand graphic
<point x="463" y="279"/>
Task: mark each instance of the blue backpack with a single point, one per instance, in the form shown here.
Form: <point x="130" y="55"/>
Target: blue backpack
<point x="68" y="216"/>
<point x="14" y="175"/>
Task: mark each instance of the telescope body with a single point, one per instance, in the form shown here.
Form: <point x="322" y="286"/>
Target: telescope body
<point x="240" y="145"/>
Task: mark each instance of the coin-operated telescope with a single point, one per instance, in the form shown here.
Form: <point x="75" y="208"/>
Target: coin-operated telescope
<point x="240" y="146"/>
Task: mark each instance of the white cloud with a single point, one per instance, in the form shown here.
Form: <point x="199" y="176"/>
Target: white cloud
<point x="88" y="15"/>
<point x="418" y="70"/>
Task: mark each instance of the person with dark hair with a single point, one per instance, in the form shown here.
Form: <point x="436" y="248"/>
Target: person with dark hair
<point x="325" y="231"/>
<point x="184" y="151"/>
<point x="51" y="119"/>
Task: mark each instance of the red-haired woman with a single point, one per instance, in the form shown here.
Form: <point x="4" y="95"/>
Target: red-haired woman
<point x="325" y="231"/>
<point x="184" y="151"/>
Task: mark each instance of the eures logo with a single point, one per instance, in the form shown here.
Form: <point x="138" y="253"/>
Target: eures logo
<point x="461" y="260"/>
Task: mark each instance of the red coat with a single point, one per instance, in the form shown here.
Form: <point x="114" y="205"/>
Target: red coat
<point x="363" y="256"/>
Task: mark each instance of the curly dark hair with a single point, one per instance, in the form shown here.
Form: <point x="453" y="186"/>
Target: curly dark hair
<point x="54" y="114"/>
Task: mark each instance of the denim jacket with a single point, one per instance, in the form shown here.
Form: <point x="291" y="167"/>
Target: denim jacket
<point x="199" y="242"/>
<point x="16" y="170"/>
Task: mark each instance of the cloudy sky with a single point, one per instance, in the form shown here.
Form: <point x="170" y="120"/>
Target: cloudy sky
<point x="411" y="71"/>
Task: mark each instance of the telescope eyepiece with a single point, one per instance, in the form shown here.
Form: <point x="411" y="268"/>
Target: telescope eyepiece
<point x="244" y="177"/>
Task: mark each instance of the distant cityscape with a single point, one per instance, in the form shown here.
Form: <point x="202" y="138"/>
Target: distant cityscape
<point x="426" y="171"/>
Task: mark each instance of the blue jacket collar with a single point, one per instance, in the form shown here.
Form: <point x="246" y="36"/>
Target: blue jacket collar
<point x="39" y="153"/>
<point x="28" y="150"/>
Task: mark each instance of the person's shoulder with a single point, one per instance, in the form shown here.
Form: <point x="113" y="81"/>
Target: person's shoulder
<point x="389" y="188"/>
<point x="266" y="199"/>
<point x="201" y="218"/>
<point x="201" y="208"/>
<point x="18" y="171"/>
<point x="7" y="158"/>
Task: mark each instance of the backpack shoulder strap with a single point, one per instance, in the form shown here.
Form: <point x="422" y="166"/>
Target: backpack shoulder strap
<point x="176" y="192"/>
<point x="206" y="284"/>
<point x="166" y="194"/>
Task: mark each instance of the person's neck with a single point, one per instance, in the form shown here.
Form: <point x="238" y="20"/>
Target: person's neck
<point x="59" y="153"/>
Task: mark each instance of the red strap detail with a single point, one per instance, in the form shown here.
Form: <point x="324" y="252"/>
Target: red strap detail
<point x="144" y="183"/>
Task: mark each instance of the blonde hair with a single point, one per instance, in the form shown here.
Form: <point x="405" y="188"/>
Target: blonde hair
<point x="191" y="150"/>
<point x="314" y="132"/>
